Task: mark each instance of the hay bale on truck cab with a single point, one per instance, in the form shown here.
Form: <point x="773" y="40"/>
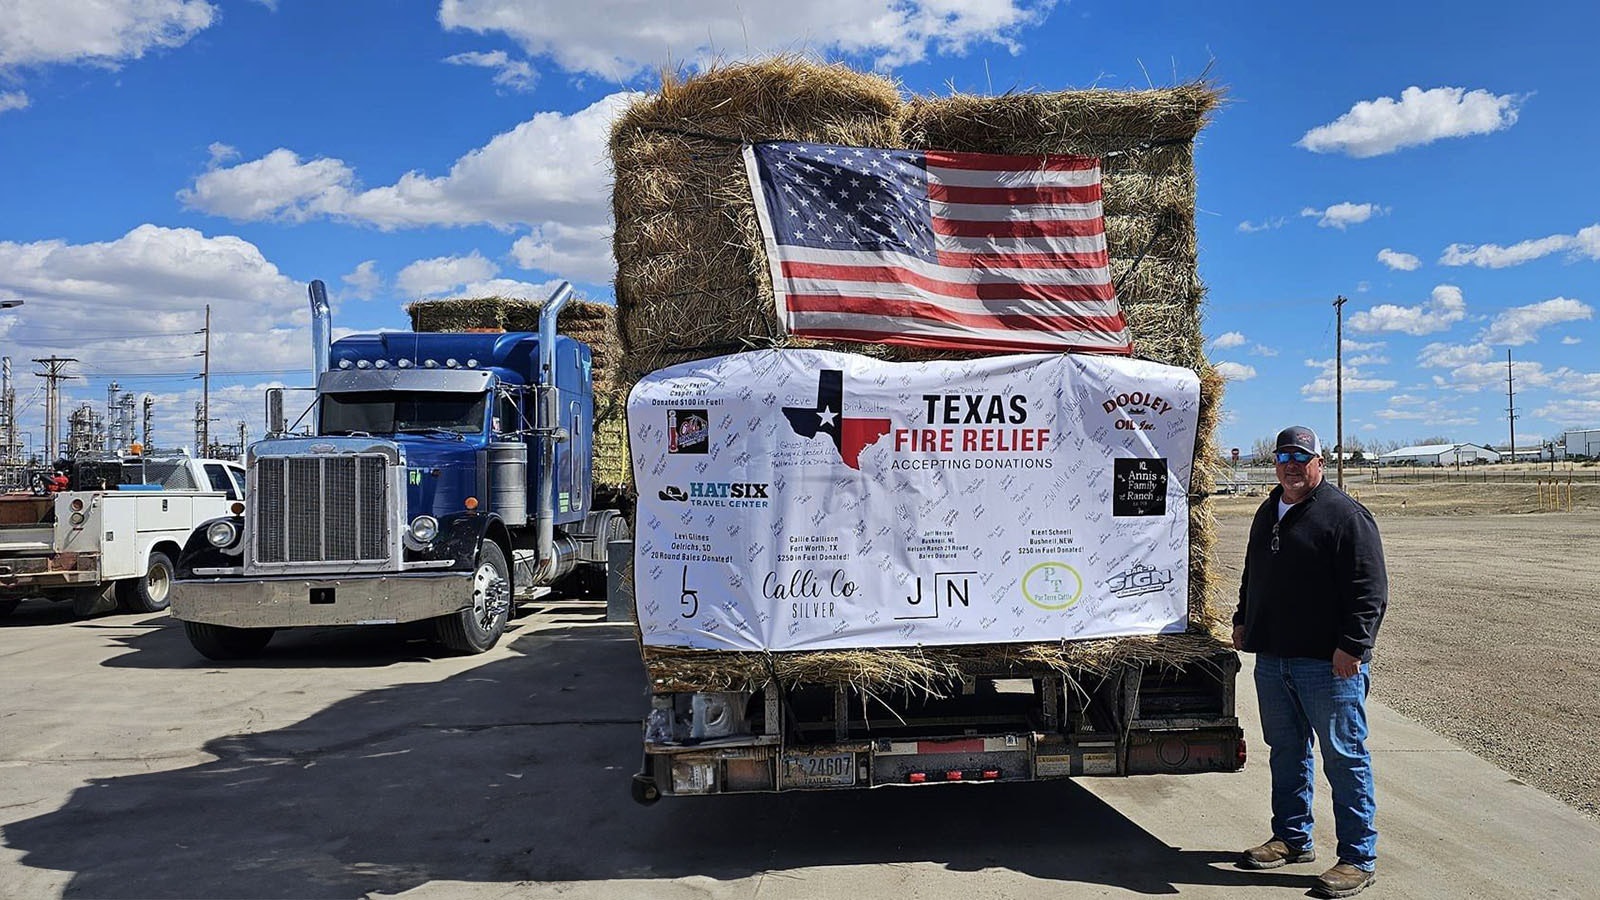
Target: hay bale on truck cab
<point x="693" y="283"/>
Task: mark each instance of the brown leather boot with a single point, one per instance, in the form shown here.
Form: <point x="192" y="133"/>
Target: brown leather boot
<point x="1343" y="880"/>
<point x="1274" y="853"/>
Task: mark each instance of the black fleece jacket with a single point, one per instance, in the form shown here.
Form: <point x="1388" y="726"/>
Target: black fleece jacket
<point x="1325" y="587"/>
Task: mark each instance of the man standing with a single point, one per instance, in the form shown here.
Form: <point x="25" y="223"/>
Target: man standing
<point x="1312" y="598"/>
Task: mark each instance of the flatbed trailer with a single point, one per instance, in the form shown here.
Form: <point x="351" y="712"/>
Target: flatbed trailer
<point x="1000" y="727"/>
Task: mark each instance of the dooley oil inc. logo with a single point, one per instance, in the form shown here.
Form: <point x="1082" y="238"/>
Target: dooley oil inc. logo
<point x="1052" y="585"/>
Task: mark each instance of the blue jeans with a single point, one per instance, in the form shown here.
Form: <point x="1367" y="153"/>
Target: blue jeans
<point x="1301" y="700"/>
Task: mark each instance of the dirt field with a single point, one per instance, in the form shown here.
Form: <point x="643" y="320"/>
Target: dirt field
<point x="1493" y="632"/>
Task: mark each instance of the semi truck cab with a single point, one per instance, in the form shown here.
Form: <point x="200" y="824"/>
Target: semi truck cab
<point x="448" y="476"/>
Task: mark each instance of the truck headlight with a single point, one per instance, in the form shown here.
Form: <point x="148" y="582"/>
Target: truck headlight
<point x="221" y="534"/>
<point x="424" y="529"/>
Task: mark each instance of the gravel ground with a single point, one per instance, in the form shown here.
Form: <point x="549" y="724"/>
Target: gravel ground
<point x="1492" y="637"/>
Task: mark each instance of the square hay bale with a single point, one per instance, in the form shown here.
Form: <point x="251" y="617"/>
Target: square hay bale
<point x="692" y="282"/>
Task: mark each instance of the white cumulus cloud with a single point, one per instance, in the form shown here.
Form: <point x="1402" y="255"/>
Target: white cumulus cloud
<point x="1570" y="340"/>
<point x="100" y="32"/>
<point x="1249" y="227"/>
<point x="582" y="252"/>
<point x="617" y="39"/>
<point x="1449" y="356"/>
<point x="444" y="274"/>
<point x="547" y="174"/>
<point x="1384" y="125"/>
<point x="1232" y="371"/>
<point x="363" y="280"/>
<point x="1323" y="388"/>
<point x="1444" y="308"/>
<point x="1402" y="262"/>
<point x="10" y="100"/>
<point x="515" y="74"/>
<point x="1229" y="340"/>
<point x="1584" y="244"/>
<point x="1521" y="325"/>
<point x="1343" y="215"/>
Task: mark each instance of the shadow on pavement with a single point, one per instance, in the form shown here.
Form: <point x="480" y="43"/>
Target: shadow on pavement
<point x="518" y="770"/>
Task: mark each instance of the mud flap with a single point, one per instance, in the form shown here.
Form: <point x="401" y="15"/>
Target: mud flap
<point x="95" y="601"/>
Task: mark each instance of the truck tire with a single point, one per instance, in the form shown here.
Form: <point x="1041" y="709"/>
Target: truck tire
<point x="222" y="642"/>
<point x="153" y="592"/>
<point x="479" y="626"/>
<point x="7" y="607"/>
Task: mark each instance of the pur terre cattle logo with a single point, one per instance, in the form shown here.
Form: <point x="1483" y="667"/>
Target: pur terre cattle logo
<point x="850" y="435"/>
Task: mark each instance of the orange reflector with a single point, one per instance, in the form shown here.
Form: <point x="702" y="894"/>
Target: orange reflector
<point x="953" y="775"/>
<point x="991" y="773"/>
<point x="472" y="503"/>
<point x="917" y="777"/>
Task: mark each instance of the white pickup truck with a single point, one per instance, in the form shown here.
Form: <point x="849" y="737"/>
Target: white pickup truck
<point x="113" y="546"/>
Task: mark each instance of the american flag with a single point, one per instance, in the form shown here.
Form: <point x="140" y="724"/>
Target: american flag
<point x="937" y="249"/>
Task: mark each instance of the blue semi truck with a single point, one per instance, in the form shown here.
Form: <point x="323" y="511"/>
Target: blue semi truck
<point x="447" y="476"/>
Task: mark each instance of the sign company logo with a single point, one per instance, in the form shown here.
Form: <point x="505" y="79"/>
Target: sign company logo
<point x="1141" y="579"/>
<point x="1140" y="487"/>
<point x="849" y="435"/>
<point x="688" y="431"/>
<point x="672" y="493"/>
<point x="1052" y="585"/>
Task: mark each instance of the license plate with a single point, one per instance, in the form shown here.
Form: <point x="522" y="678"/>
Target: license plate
<point x="819" y="769"/>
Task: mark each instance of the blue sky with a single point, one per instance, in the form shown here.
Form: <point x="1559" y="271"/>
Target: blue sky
<point x="1433" y="163"/>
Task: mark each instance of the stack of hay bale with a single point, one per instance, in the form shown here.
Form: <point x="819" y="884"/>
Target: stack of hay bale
<point x="693" y="282"/>
<point x="593" y="323"/>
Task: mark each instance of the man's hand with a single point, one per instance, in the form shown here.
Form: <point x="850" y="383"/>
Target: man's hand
<point x="1238" y="637"/>
<point x="1345" y="665"/>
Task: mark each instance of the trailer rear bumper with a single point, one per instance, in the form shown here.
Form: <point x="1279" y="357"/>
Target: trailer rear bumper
<point x="299" y="601"/>
<point x="744" y="768"/>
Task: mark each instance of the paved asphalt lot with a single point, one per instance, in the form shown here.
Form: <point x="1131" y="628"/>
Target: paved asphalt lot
<point x="351" y="764"/>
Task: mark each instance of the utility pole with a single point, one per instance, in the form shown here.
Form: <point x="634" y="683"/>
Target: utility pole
<point x="1338" y="384"/>
<point x="1511" y="406"/>
<point x="202" y="423"/>
<point x="149" y="416"/>
<point x="52" y="374"/>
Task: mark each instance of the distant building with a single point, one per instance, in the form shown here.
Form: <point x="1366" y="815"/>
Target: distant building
<point x="1529" y="453"/>
<point x="1439" y="455"/>
<point x="1583" y="443"/>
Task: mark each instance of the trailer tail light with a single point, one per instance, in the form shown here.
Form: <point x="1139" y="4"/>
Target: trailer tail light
<point x="76" y="504"/>
<point x="1242" y="753"/>
<point x="965" y="775"/>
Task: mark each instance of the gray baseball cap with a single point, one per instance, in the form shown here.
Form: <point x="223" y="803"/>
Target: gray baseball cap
<point x="1299" y="437"/>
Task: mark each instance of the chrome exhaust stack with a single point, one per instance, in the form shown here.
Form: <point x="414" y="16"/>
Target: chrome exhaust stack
<point x="548" y="430"/>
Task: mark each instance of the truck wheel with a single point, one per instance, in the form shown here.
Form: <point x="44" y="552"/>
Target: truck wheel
<point x="153" y="592"/>
<point x="7" y="607"/>
<point x="223" y="642"/>
<point x="479" y="626"/>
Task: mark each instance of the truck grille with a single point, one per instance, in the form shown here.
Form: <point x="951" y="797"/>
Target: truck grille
<point x="321" y="509"/>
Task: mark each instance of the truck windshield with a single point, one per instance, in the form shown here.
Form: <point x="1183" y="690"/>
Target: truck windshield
<point x="396" y="412"/>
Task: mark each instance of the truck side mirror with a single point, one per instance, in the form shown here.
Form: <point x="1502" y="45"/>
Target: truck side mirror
<point x="275" y="421"/>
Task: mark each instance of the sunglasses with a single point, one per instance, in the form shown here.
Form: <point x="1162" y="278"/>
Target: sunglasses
<point x="1288" y="456"/>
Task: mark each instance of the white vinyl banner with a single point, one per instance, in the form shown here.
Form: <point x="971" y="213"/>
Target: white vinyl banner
<point x="805" y="499"/>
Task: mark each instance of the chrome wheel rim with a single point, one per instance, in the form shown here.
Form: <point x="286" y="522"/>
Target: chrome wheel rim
<point x="488" y="596"/>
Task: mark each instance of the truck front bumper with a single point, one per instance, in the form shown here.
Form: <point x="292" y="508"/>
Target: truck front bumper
<point x="289" y="602"/>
